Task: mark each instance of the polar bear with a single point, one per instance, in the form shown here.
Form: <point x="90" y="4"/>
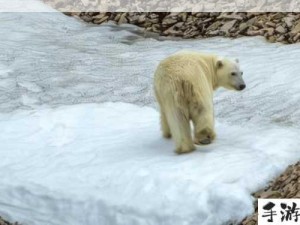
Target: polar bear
<point x="183" y="86"/>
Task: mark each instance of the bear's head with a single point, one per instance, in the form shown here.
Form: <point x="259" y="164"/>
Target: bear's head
<point x="229" y="74"/>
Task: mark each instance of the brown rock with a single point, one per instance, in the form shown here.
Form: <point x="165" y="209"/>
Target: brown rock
<point x="296" y="28"/>
<point x="169" y="21"/>
<point x="243" y="27"/>
<point x="179" y="25"/>
<point x="142" y="18"/>
<point x="154" y="20"/>
<point x="154" y="16"/>
<point x="277" y="16"/>
<point x="280" y="30"/>
<point x="173" y="31"/>
<point x="228" y="26"/>
<point x="269" y="31"/>
<point x="191" y="32"/>
<point x="182" y="16"/>
<point x="270" y="24"/>
<point x="87" y="18"/>
<point x="296" y="38"/>
<point x="115" y="17"/>
<point x="123" y="19"/>
<point x="270" y="194"/>
<point x="213" y="33"/>
<point x="231" y="17"/>
<point x="204" y="21"/>
<point x="133" y="19"/>
<point x="254" y="32"/>
<point x="99" y="16"/>
<point x="214" y="26"/>
<point x="289" y="21"/>
<point x="99" y="21"/>
<point x="156" y="28"/>
<point x="214" y="14"/>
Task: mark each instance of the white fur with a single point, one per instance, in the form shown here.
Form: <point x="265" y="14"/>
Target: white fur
<point x="184" y="85"/>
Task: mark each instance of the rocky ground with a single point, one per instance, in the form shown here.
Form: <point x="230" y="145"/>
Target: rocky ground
<point x="285" y="186"/>
<point x="275" y="27"/>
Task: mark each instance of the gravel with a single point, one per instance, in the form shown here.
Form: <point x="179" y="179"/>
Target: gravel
<point x="285" y="186"/>
<point x="275" y="27"/>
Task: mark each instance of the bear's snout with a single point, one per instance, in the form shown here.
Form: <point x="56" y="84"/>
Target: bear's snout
<point x="242" y="86"/>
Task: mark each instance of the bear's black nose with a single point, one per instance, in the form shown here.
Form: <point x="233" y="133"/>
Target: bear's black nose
<point x="242" y="86"/>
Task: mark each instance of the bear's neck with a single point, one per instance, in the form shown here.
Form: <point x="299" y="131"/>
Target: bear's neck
<point x="214" y="80"/>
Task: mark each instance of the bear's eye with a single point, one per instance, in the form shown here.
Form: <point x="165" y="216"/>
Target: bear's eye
<point x="233" y="74"/>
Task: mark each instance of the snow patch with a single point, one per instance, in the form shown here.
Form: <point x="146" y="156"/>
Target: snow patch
<point x="108" y="164"/>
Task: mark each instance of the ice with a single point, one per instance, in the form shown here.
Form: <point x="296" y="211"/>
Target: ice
<point x="81" y="143"/>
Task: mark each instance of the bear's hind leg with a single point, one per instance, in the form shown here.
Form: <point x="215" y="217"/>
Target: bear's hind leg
<point x="181" y="131"/>
<point x="203" y="121"/>
<point x="164" y="125"/>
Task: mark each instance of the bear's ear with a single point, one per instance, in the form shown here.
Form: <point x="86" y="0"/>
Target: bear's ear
<point x="236" y="60"/>
<point x="219" y="63"/>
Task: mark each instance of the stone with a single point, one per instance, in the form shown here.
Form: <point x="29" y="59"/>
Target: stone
<point x="123" y="19"/>
<point x="269" y="31"/>
<point x="156" y="28"/>
<point x="231" y="17"/>
<point x="278" y="16"/>
<point x="270" y="24"/>
<point x="169" y="21"/>
<point x="87" y="18"/>
<point x="183" y="16"/>
<point x="179" y="25"/>
<point x="173" y="32"/>
<point x="153" y="16"/>
<point x="243" y="27"/>
<point x="213" y="33"/>
<point x="154" y="20"/>
<point x="270" y="194"/>
<point x="228" y="25"/>
<point x="254" y="32"/>
<point x="142" y="18"/>
<point x="214" y="26"/>
<point x="214" y="14"/>
<point x="289" y="21"/>
<point x="296" y="38"/>
<point x="191" y="32"/>
<point x="99" y="16"/>
<point x="203" y="21"/>
<point x="99" y="21"/>
<point x="296" y="28"/>
<point x="280" y="29"/>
